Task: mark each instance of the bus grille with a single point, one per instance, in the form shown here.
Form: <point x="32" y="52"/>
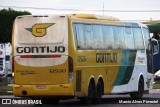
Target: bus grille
<point x="78" y="80"/>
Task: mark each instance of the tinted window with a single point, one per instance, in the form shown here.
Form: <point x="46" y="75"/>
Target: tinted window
<point x="97" y="37"/>
<point x="146" y="36"/>
<point x="118" y="37"/>
<point x="78" y="31"/>
<point x="138" y="38"/>
<point x="7" y="58"/>
<point x="129" y="39"/>
<point x="108" y="37"/>
<point x="88" y="36"/>
<point x="92" y="36"/>
<point x="1" y="62"/>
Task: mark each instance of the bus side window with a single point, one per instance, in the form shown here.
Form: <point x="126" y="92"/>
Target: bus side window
<point x="138" y="38"/>
<point x="78" y="32"/>
<point x="118" y="37"/>
<point x="97" y="37"/>
<point x="1" y="64"/>
<point x="129" y="40"/>
<point x="108" y="37"/>
<point x="88" y="36"/>
<point x="146" y="37"/>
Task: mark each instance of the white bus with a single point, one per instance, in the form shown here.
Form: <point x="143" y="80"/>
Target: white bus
<point x="8" y="58"/>
<point x="2" y="60"/>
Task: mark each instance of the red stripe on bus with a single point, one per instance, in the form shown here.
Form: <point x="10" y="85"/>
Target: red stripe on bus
<point x="40" y="56"/>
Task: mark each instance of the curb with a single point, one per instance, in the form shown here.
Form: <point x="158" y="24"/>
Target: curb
<point x="154" y="91"/>
<point x="10" y="92"/>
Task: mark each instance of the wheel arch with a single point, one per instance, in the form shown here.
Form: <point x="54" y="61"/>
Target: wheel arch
<point x="100" y="78"/>
<point x="141" y="76"/>
<point x="91" y="79"/>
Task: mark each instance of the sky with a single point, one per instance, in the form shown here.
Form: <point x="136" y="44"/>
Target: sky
<point x="149" y="9"/>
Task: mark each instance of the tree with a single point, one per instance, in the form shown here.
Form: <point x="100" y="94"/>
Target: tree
<point x="7" y="17"/>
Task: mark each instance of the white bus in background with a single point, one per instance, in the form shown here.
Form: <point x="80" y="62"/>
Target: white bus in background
<point x="8" y="59"/>
<point x="2" y="60"/>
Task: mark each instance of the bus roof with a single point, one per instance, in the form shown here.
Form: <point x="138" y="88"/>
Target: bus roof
<point x="81" y="16"/>
<point x="91" y="16"/>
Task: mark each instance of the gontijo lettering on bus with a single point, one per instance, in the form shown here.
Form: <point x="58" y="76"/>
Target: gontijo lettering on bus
<point x="106" y="57"/>
<point x="40" y="49"/>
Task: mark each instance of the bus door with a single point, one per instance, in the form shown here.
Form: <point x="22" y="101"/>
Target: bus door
<point x="151" y="52"/>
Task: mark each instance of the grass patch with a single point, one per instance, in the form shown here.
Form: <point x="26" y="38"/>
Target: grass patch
<point x="156" y="86"/>
<point x="2" y="83"/>
<point x="4" y="87"/>
<point x="5" y="93"/>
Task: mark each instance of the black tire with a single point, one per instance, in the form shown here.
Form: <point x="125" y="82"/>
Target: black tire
<point x="139" y="93"/>
<point x="55" y="101"/>
<point x="91" y="94"/>
<point x="99" y="92"/>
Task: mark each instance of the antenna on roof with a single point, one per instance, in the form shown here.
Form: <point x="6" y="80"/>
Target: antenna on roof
<point x="103" y="8"/>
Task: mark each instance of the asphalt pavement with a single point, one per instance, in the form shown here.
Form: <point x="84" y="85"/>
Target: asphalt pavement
<point x="107" y="101"/>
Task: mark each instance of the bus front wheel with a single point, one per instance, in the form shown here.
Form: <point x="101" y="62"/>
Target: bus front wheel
<point x="139" y="93"/>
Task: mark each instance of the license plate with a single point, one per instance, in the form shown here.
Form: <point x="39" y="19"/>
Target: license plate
<point x="41" y="86"/>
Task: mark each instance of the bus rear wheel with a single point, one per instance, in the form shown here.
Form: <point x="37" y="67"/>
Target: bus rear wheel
<point x="55" y="101"/>
<point x="139" y="93"/>
<point x="91" y="94"/>
<point x="99" y="92"/>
